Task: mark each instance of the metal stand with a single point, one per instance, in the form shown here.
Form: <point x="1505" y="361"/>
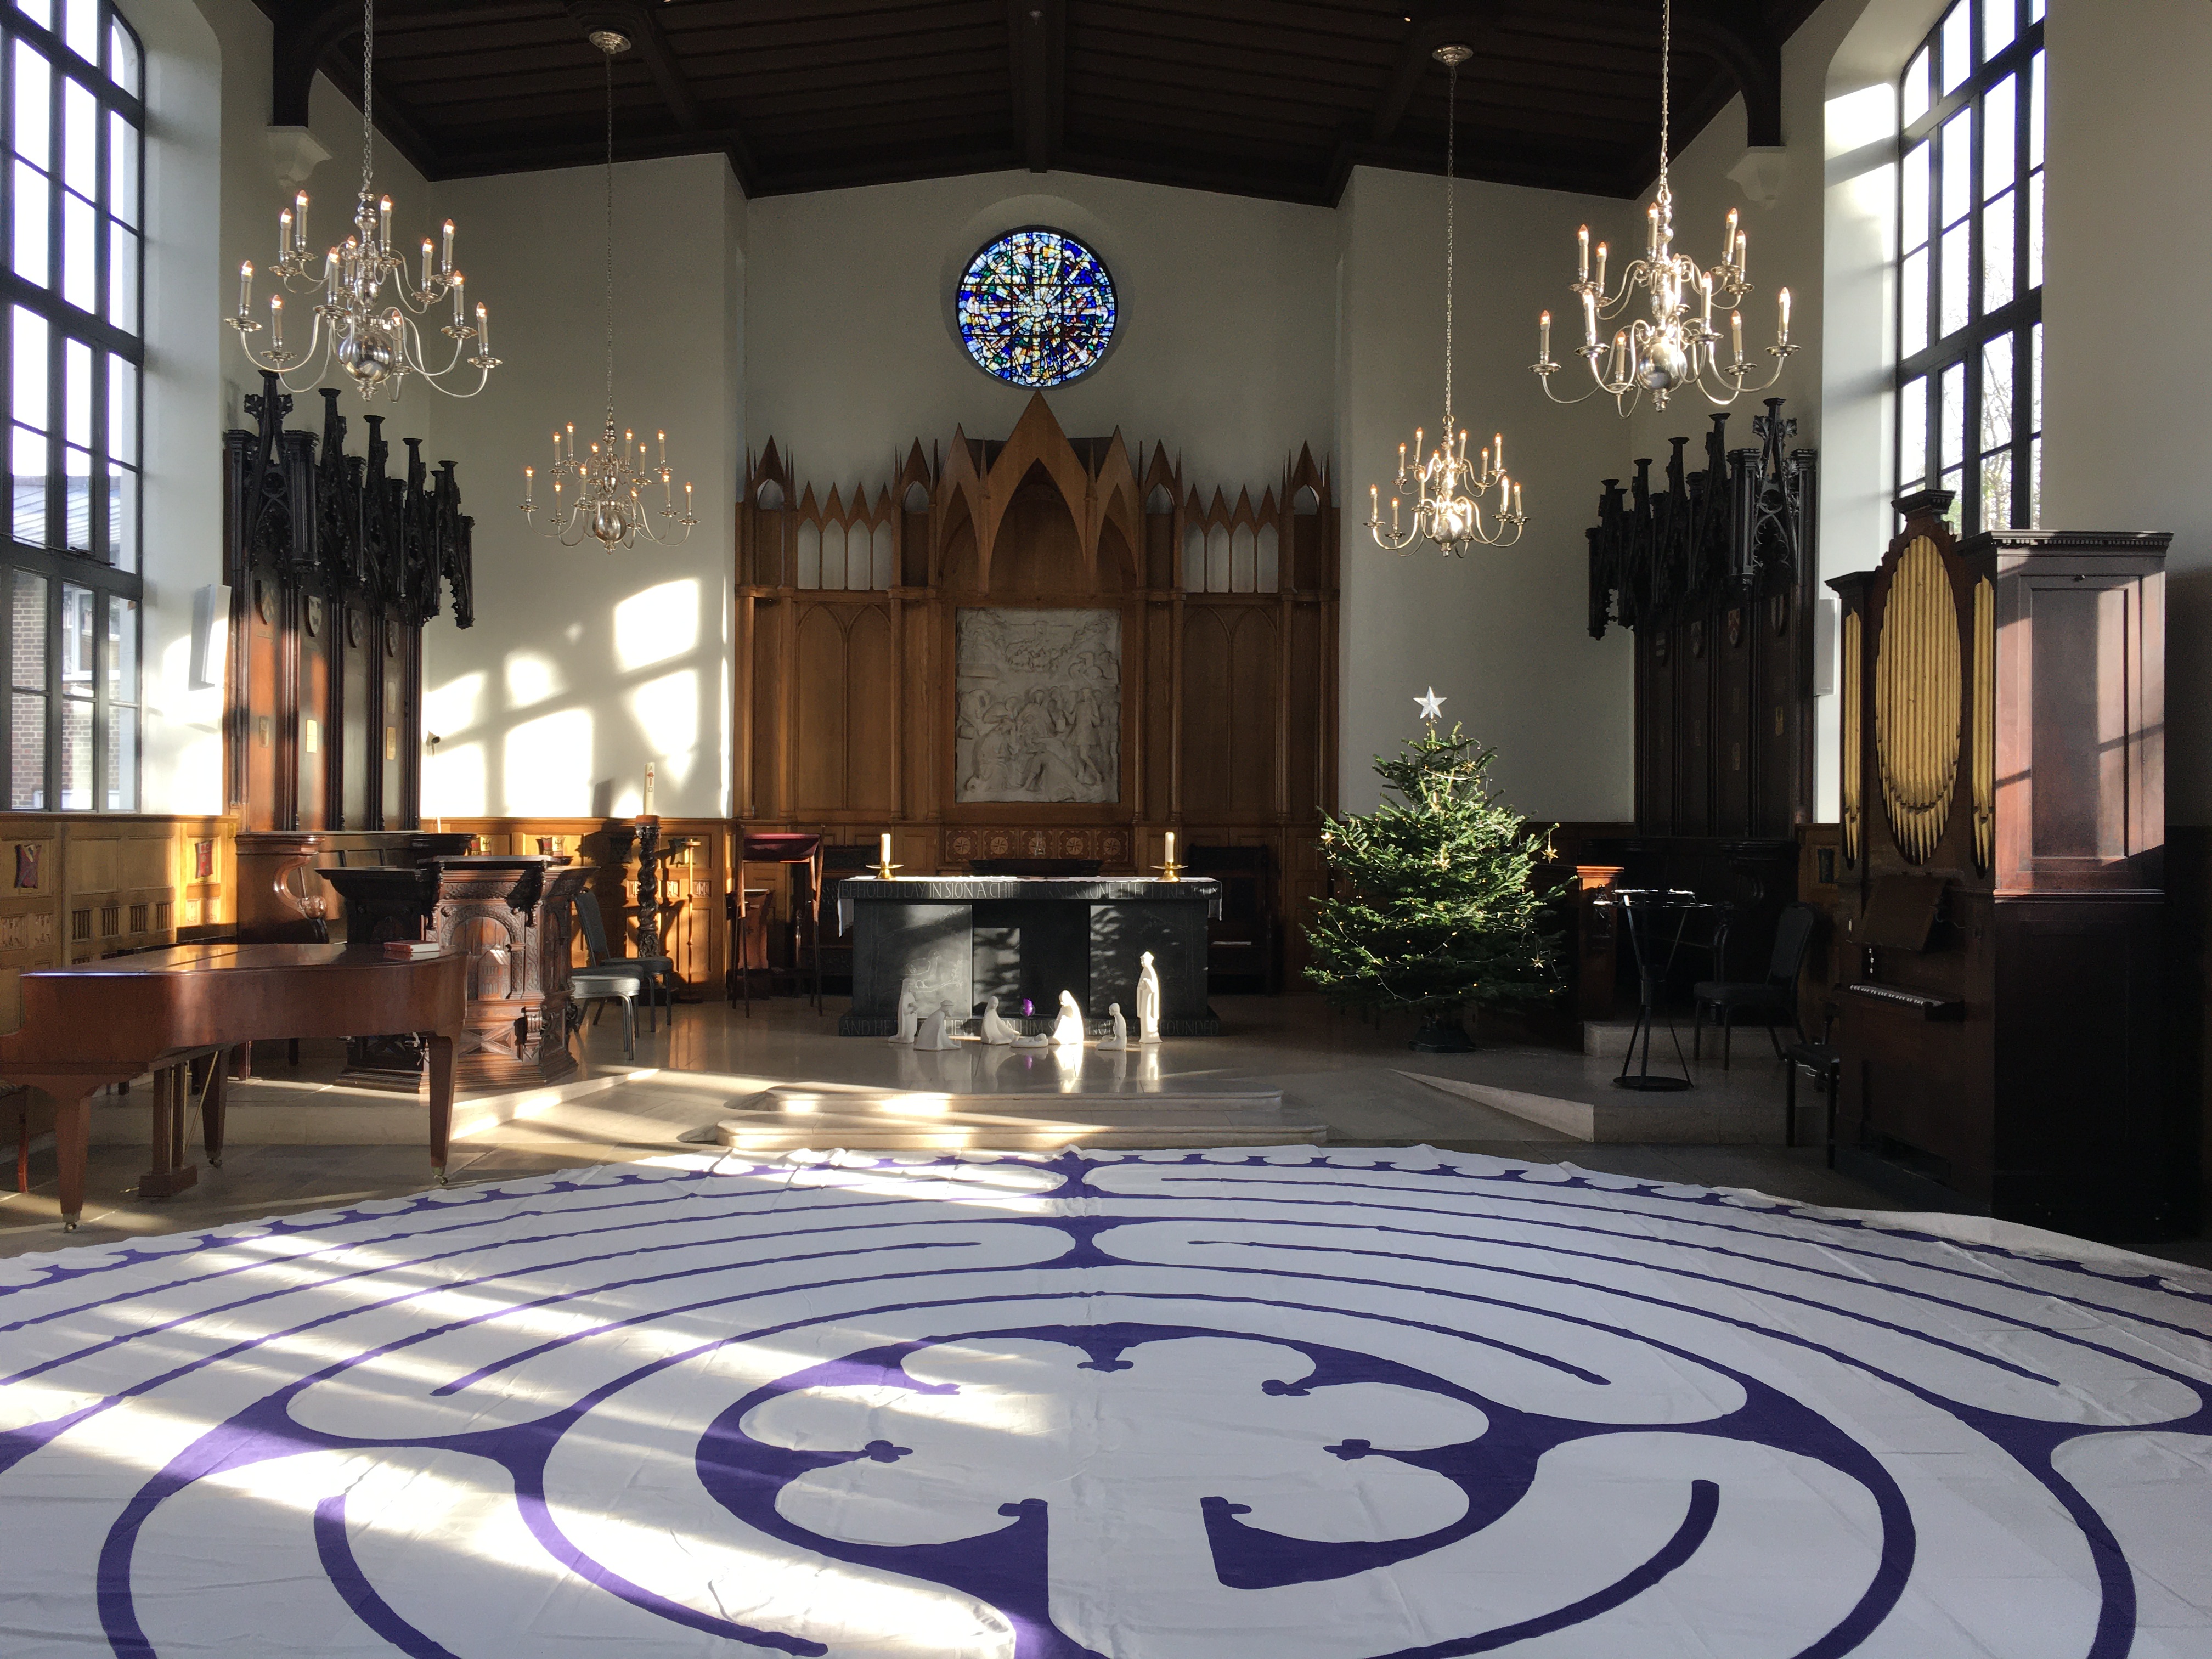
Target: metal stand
<point x="1641" y="909"/>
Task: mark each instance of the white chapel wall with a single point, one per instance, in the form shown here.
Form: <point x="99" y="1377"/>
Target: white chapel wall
<point x="2126" y="355"/>
<point x="1226" y="348"/>
<point x="583" y="666"/>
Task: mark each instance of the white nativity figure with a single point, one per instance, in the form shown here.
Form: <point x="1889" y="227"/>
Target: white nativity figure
<point x="931" y="1038"/>
<point x="996" y="1031"/>
<point x="1148" y="1001"/>
<point x="1067" y="1030"/>
<point x="910" y="1014"/>
<point x="1118" y="1037"/>
<point x="1032" y="1042"/>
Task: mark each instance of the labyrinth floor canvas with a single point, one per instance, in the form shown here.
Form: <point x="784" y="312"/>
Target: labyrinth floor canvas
<point x="1292" y="1404"/>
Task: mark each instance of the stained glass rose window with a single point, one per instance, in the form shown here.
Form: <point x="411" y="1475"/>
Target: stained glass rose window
<point x="1036" y="308"/>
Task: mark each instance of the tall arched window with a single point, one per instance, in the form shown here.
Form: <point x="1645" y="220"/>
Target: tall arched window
<point x="71" y="354"/>
<point x="1970" y="292"/>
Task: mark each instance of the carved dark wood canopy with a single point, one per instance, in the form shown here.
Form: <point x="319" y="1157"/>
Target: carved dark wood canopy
<point x="1269" y="98"/>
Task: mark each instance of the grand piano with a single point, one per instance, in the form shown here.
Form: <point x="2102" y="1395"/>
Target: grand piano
<point x="94" y="1023"/>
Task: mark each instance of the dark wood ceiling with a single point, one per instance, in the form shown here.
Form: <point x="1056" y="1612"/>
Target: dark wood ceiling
<point x="1270" y="98"/>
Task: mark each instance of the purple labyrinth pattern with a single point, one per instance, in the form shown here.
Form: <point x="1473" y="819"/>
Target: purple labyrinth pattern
<point x="1284" y="1404"/>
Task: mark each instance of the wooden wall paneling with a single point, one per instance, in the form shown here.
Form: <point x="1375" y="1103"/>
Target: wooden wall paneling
<point x="1733" y="749"/>
<point x="361" y="747"/>
<point x="1041" y="521"/>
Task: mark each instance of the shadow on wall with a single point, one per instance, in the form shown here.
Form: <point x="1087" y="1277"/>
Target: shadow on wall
<point x="551" y="738"/>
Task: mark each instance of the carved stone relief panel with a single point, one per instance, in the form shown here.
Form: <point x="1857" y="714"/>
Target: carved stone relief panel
<point x="1040" y="706"/>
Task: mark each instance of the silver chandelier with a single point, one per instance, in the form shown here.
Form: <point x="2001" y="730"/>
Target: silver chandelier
<point x="611" y="478"/>
<point x="1448" y="489"/>
<point x="377" y="342"/>
<point x="1678" y="345"/>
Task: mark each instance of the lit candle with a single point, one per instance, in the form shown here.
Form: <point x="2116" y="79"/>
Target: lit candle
<point x="1736" y="333"/>
<point x="687" y="500"/>
<point x="1601" y="267"/>
<point x="1728" y="241"/>
<point x="445" y="257"/>
<point x="460" y="314"/>
<point x="1170" y="857"/>
<point x="283" y="232"/>
<point x="384" y="223"/>
<point x="245" y="289"/>
<point x="484" y="327"/>
<point x="1497" y="449"/>
<point x="664" y="436"/>
<point x="1705" y="283"/>
<point x="426" y="262"/>
<point x="1504" y="492"/>
<point x="1651" y="231"/>
<point x="1582" y="239"/>
<point x="299" y="222"/>
<point x="1742" y="254"/>
<point x="331" y="276"/>
<point x="1374" y="504"/>
<point x="883" y="850"/>
<point x="529" y="487"/>
<point x="1783" y="338"/>
<point x="556" y="446"/>
<point x="648" y="788"/>
<point x="1619" y="358"/>
<point x="1402" y="461"/>
<point x="1516" y="502"/>
<point x="1589" y="320"/>
<point x="1544" y="337"/>
<point x="277" y="321"/>
<point x="1485" y="464"/>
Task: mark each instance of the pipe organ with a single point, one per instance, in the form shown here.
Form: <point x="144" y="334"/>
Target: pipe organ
<point x="1998" y="954"/>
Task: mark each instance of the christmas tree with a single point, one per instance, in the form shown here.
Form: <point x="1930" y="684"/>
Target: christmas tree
<point x="1443" y="914"/>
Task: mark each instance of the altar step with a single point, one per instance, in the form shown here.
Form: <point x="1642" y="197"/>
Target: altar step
<point x="789" y="1118"/>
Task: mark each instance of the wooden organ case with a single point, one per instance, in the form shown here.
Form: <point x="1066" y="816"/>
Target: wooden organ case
<point x="2002" y="894"/>
<point x="334" y="567"/>
<point x="1220" y="614"/>
<point x="1714" y="570"/>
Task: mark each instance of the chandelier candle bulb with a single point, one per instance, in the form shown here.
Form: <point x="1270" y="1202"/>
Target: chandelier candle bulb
<point x="1516" y="502"/>
<point x="484" y="327"/>
<point x="283" y="232"/>
<point x="1544" y="337"/>
<point x="383" y="223"/>
<point x="1782" y="337"/>
<point x="300" y="223"/>
<point x="1582" y="238"/>
<point x="1601" y="267"/>
<point x="1742" y="254"/>
<point x="276" y="322"/>
<point x="1651" y="231"/>
<point x="245" y="290"/>
<point x="1736" y="333"/>
<point x="1728" y="241"/>
<point x="1589" y="321"/>
<point x="446" y="257"/>
<point x="426" y="262"/>
<point x="460" y="311"/>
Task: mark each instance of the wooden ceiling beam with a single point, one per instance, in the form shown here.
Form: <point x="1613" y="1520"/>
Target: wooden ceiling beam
<point x="638" y="26"/>
<point x="1735" y="35"/>
<point x="1037" y="52"/>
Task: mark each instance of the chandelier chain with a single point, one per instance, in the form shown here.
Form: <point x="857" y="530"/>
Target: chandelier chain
<point x="1451" y="195"/>
<point x="1666" y="89"/>
<point x="608" y="58"/>
<point x="368" y="96"/>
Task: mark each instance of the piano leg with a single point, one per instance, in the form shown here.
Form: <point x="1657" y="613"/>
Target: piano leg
<point x="172" y="1173"/>
<point x="212" y="1106"/>
<point x="72" y="1133"/>
<point x="441" y="1100"/>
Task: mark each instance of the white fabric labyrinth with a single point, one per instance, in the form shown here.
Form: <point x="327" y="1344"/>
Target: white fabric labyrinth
<point x="1291" y="1404"/>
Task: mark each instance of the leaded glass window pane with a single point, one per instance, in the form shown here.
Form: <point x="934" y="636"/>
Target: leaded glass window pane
<point x="1970" y="235"/>
<point x="71" y="357"/>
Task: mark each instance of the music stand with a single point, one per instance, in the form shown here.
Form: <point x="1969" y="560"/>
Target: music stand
<point x="1643" y="915"/>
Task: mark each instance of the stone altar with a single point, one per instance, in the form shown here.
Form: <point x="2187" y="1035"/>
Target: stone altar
<point x="968" y="939"/>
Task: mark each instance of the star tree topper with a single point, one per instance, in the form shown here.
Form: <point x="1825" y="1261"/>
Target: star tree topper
<point x="1432" y="706"/>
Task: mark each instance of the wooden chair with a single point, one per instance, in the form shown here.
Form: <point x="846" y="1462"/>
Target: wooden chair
<point x="1825" y="1062"/>
<point x="1242" y="944"/>
<point x="801" y="854"/>
<point x="610" y="978"/>
<point x="1773" y="999"/>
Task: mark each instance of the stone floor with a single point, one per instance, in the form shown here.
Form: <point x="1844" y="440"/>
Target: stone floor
<point x="298" y="1141"/>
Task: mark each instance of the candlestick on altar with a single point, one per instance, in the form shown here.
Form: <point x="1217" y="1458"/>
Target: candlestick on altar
<point x="1170" y="870"/>
<point x="884" y="867"/>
